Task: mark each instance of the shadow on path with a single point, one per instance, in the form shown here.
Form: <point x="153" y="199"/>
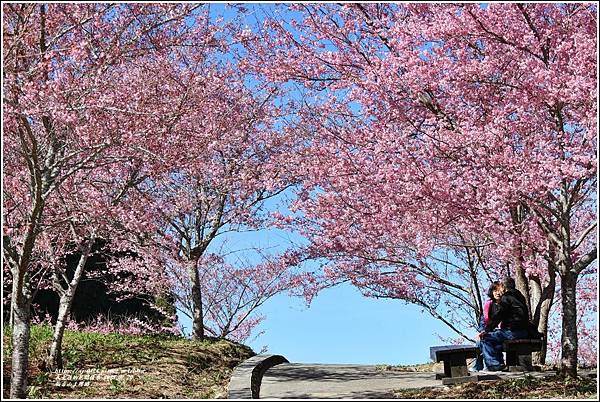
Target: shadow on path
<point x="323" y="381"/>
<point x="289" y="372"/>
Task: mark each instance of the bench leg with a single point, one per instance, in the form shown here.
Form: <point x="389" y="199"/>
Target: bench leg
<point x="518" y="361"/>
<point x="456" y="366"/>
<point x="455" y="370"/>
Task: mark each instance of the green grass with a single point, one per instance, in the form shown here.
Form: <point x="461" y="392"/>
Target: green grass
<point x="110" y="350"/>
<point x="194" y="369"/>
<point x="39" y="341"/>
<point x="91" y="348"/>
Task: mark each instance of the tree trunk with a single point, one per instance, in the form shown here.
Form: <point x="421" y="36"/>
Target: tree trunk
<point x="539" y="358"/>
<point x="20" y="342"/>
<point x="11" y="321"/>
<point x="64" y="311"/>
<point x="568" y="284"/>
<point x="64" y="308"/>
<point x="197" y="314"/>
<point x="521" y="283"/>
<point x="568" y="362"/>
<point x="542" y="298"/>
<point x="540" y="310"/>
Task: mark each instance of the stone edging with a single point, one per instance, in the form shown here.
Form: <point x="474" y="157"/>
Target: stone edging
<point x="246" y="377"/>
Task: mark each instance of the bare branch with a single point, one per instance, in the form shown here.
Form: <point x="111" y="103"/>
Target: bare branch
<point x="584" y="235"/>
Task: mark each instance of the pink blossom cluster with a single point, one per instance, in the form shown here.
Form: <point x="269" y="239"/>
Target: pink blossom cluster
<point x="123" y="326"/>
<point x="110" y="325"/>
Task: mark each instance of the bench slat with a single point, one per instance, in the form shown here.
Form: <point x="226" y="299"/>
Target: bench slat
<point x="524" y="341"/>
<point x="437" y="353"/>
<point x="523" y="345"/>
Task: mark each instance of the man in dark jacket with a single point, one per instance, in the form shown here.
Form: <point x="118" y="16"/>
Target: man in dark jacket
<point x="512" y="312"/>
<point x="509" y="284"/>
<point x="513" y="317"/>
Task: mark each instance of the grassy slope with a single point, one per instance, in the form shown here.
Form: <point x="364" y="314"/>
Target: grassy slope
<point x="165" y="367"/>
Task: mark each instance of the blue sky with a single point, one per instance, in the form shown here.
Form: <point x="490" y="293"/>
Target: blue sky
<point x="342" y="326"/>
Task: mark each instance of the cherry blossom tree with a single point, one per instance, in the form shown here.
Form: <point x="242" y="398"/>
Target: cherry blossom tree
<point x="214" y="179"/>
<point x="85" y="219"/>
<point x="233" y="292"/>
<point x="66" y="111"/>
<point x="434" y="121"/>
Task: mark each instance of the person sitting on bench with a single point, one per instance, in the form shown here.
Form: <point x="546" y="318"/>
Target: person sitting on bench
<point x="489" y="309"/>
<point x="513" y="317"/>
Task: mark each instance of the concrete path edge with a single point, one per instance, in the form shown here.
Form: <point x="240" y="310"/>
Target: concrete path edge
<point x="247" y="376"/>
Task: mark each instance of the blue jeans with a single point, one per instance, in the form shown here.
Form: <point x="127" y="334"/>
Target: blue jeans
<point x="479" y="359"/>
<point x="491" y="345"/>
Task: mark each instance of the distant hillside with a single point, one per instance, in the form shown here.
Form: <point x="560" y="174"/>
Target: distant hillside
<point x="127" y="367"/>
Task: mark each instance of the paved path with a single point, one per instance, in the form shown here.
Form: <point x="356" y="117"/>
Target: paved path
<point x="306" y="381"/>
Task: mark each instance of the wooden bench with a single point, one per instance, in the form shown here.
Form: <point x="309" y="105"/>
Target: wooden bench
<point x="455" y="362"/>
<point x="518" y="353"/>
